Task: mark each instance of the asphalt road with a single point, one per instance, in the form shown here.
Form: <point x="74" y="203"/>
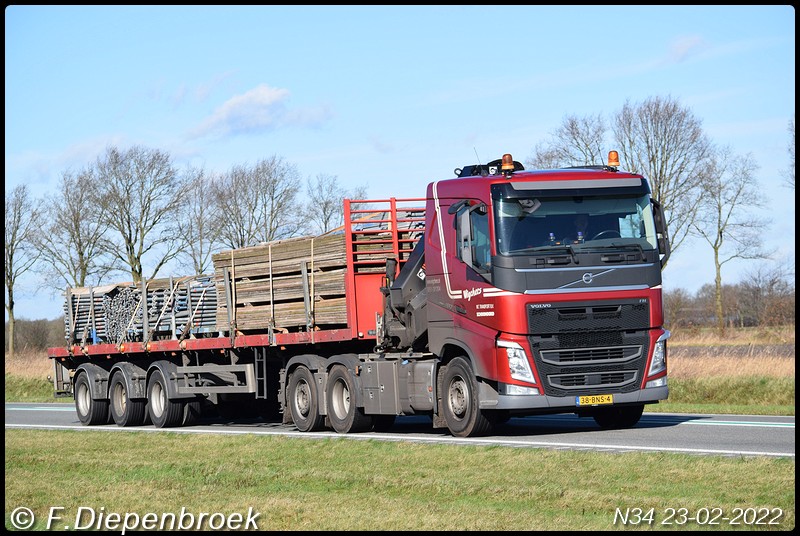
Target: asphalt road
<point x="721" y="435"/>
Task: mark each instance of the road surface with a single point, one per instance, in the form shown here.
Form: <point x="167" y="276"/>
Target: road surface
<point x="722" y="435"/>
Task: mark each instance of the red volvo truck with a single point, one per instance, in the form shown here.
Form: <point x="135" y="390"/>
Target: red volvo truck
<point x="502" y="293"/>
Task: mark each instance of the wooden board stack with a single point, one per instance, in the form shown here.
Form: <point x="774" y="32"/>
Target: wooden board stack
<point x="271" y="282"/>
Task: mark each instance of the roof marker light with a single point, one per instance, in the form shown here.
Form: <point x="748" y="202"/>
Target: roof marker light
<point x="507" y="164"/>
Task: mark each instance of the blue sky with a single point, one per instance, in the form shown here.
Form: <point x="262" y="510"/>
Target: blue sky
<point x="387" y="97"/>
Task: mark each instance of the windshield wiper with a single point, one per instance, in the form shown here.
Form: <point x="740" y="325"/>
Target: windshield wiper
<point x="567" y="247"/>
<point x="636" y="247"/>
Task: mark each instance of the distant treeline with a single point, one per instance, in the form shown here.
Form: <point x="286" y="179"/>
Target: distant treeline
<point x="750" y="303"/>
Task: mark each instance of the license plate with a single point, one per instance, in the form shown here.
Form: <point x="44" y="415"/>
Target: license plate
<point x="594" y="400"/>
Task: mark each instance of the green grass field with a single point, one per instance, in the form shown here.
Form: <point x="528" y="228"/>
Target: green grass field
<point x="339" y="484"/>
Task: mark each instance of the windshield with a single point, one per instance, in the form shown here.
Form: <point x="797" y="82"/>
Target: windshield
<point x="524" y="224"/>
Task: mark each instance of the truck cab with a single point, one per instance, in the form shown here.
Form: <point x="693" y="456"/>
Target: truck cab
<point x="543" y="291"/>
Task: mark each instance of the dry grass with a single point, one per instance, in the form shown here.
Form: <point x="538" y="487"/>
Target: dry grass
<point x="687" y="358"/>
<point x="747" y="352"/>
<point x="32" y="365"/>
<point x="696" y="336"/>
<point x="711" y="366"/>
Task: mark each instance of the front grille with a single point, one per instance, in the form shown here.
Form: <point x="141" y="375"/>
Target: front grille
<point x="595" y="366"/>
<point x="604" y="381"/>
<point x="582" y="356"/>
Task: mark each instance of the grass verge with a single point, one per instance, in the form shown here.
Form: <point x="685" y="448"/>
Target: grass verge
<point x="342" y="484"/>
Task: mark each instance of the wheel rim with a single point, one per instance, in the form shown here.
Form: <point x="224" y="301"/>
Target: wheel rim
<point x="83" y="399"/>
<point x="302" y="398"/>
<point x="158" y="400"/>
<point x="340" y="399"/>
<point x="458" y="397"/>
<point x="120" y="398"/>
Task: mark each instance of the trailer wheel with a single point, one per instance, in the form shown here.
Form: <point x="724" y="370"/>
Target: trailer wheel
<point x="125" y="410"/>
<point x="460" y="401"/>
<point x="342" y="411"/>
<point x="614" y="418"/>
<point x="164" y="412"/>
<point x="304" y="401"/>
<point x="90" y="412"/>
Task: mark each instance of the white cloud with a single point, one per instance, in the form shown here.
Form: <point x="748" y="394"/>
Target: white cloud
<point x="258" y="110"/>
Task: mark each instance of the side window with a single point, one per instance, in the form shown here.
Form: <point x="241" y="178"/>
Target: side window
<point x="482" y="251"/>
<point x="472" y="231"/>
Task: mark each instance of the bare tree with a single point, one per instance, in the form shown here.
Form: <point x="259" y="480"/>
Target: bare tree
<point x="198" y="222"/>
<point x="139" y="192"/>
<point x="729" y="191"/>
<point x="677" y="303"/>
<point x="663" y="141"/>
<point x="23" y="222"/>
<point x="235" y="197"/>
<point x="768" y="295"/>
<point x="282" y="184"/>
<point x="577" y="142"/>
<point x="73" y="245"/>
<point x="39" y="334"/>
<point x="325" y="205"/>
<point x="259" y="203"/>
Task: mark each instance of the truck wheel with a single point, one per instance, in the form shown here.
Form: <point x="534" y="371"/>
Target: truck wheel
<point x="164" y="412"/>
<point x="460" y="401"/>
<point x="303" y="401"/>
<point x="342" y="411"/>
<point x="614" y="418"/>
<point x="90" y="411"/>
<point x="125" y="410"/>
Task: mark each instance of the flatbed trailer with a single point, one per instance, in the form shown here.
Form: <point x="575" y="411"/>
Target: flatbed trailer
<point x="227" y="361"/>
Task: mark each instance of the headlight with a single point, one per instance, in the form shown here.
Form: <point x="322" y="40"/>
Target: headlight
<point x="659" y="361"/>
<point x="517" y="361"/>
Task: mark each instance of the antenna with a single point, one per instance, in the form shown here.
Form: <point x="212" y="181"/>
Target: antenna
<point x="480" y="165"/>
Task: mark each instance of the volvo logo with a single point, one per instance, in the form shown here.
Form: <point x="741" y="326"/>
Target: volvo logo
<point x="587" y="278"/>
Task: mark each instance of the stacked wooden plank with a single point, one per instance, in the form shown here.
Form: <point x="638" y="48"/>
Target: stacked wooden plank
<point x="294" y="284"/>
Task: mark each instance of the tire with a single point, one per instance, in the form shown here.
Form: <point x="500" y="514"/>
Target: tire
<point x="383" y="423"/>
<point x="343" y="414"/>
<point x="460" y="401"/>
<point x="614" y="418"/>
<point x="90" y="411"/>
<point x="125" y="410"/>
<point x="164" y="413"/>
<point x="304" y="401"/>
